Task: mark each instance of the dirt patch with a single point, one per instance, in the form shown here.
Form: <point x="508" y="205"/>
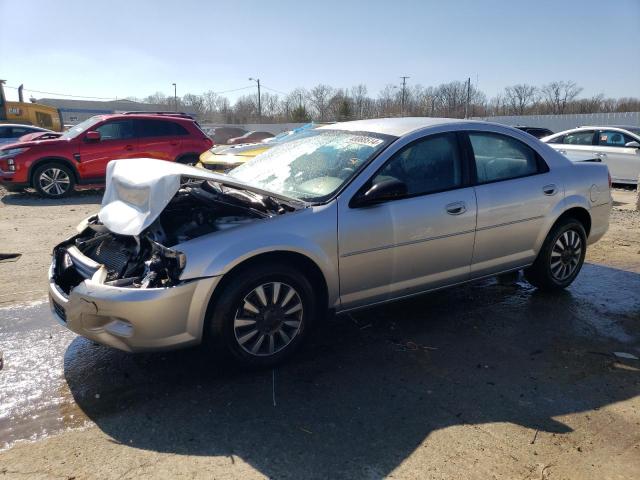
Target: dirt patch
<point x="31" y="226"/>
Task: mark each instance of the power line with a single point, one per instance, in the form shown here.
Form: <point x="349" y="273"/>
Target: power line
<point x="274" y="90"/>
<point x="234" y="90"/>
<point x="62" y="94"/>
<point x="109" y="98"/>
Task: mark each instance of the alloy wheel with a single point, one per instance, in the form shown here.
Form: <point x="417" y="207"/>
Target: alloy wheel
<point x="54" y="181"/>
<point x="565" y="255"/>
<point x="268" y="319"/>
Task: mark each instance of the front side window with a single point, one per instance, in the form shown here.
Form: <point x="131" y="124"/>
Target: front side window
<point x="432" y="164"/>
<point x="579" y="138"/>
<point x="499" y="157"/>
<point x="612" y="138"/>
<point x="314" y="166"/>
<point x="117" y="130"/>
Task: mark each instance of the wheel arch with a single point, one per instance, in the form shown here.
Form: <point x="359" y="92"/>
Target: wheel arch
<point x="579" y="213"/>
<point x="298" y="260"/>
<point x="61" y="160"/>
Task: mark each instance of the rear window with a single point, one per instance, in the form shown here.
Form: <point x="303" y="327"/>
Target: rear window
<point x="159" y="128"/>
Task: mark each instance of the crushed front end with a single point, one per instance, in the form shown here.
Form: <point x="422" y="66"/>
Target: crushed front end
<point x="118" y="282"/>
<point x="125" y="292"/>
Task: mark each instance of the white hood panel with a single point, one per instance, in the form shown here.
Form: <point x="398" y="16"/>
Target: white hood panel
<point x="138" y="189"/>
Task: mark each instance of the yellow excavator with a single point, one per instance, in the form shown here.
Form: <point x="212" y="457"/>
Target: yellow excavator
<point x="29" y="113"/>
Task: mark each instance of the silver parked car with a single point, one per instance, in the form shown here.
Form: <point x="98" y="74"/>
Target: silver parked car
<point x="618" y="147"/>
<point x="346" y="216"/>
<point x="11" y="132"/>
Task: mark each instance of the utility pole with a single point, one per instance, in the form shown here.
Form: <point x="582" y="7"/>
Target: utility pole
<point x="257" y="80"/>
<point x="466" y="105"/>
<point x="404" y="84"/>
<point x="175" y="95"/>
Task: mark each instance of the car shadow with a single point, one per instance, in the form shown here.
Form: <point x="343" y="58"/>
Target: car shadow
<point x="31" y="198"/>
<point x="371" y="386"/>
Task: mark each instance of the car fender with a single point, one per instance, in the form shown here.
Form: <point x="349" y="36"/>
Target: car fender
<point x="566" y="204"/>
<point x="310" y="232"/>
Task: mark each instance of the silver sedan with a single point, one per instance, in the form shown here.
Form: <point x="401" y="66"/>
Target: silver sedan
<point x="342" y="217"/>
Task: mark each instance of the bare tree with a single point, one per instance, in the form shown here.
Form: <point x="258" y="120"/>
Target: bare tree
<point x="558" y="94"/>
<point x="359" y="97"/>
<point x="519" y="97"/>
<point x="319" y="98"/>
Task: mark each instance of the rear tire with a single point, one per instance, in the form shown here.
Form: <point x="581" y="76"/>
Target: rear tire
<point x="263" y="314"/>
<point x="560" y="258"/>
<point x="53" y="180"/>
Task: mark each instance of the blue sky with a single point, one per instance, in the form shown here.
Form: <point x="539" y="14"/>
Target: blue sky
<point x="122" y="48"/>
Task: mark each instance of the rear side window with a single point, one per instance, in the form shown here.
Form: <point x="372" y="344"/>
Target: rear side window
<point x="430" y="165"/>
<point x="609" y="138"/>
<point x="159" y="128"/>
<point x="116" y="130"/>
<point x="5" y="132"/>
<point x="499" y="157"/>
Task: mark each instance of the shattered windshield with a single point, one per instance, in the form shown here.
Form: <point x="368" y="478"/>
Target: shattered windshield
<point x="314" y="165"/>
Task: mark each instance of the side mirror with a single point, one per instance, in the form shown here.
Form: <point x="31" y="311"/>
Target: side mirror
<point x="633" y="144"/>
<point x="390" y="189"/>
<point x="92" y="136"/>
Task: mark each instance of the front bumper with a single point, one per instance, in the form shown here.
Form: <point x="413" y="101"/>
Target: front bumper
<point x="10" y="181"/>
<point x="134" y="319"/>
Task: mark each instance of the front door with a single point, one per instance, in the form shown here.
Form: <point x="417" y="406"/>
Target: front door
<point x="117" y="141"/>
<point x="414" y="243"/>
<point x="623" y="162"/>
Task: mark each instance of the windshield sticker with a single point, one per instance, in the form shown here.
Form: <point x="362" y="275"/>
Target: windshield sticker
<point x="369" y="141"/>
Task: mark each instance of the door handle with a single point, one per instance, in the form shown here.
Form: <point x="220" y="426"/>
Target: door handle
<point x="600" y="154"/>
<point x="563" y="152"/>
<point x="456" y="208"/>
<point x="128" y="147"/>
<point x="550" y="189"/>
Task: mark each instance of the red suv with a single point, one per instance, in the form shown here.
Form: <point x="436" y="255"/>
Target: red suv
<point x="80" y="155"/>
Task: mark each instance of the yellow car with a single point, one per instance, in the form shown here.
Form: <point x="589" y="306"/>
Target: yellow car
<point x="223" y="158"/>
<point x="226" y="157"/>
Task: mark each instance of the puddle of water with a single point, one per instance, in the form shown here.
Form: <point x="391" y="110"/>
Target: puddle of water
<point x="34" y="397"/>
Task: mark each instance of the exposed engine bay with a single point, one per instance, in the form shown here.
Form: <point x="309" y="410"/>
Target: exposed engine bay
<point x="147" y="260"/>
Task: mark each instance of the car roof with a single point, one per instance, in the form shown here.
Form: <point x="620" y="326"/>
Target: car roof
<point x="394" y="126"/>
<point x="146" y="116"/>
<point x="22" y="125"/>
<point x="596" y="127"/>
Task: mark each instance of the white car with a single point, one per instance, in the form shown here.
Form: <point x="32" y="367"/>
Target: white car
<point x="618" y="147"/>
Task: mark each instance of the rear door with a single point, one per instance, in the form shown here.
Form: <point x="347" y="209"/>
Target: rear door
<point x="415" y="243"/>
<point x="623" y="162"/>
<point x="515" y="191"/>
<point x="117" y="141"/>
<point x="160" y="139"/>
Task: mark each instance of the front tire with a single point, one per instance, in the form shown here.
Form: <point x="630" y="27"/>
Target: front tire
<point x="560" y="258"/>
<point x="53" y="180"/>
<point x="263" y="314"/>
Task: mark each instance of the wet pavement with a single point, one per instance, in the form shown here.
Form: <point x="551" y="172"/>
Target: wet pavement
<point x="365" y="392"/>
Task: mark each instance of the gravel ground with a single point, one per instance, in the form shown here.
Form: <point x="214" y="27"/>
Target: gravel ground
<point x="487" y="380"/>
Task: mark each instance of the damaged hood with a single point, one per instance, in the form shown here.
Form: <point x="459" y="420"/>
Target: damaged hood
<point x="139" y="189"/>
